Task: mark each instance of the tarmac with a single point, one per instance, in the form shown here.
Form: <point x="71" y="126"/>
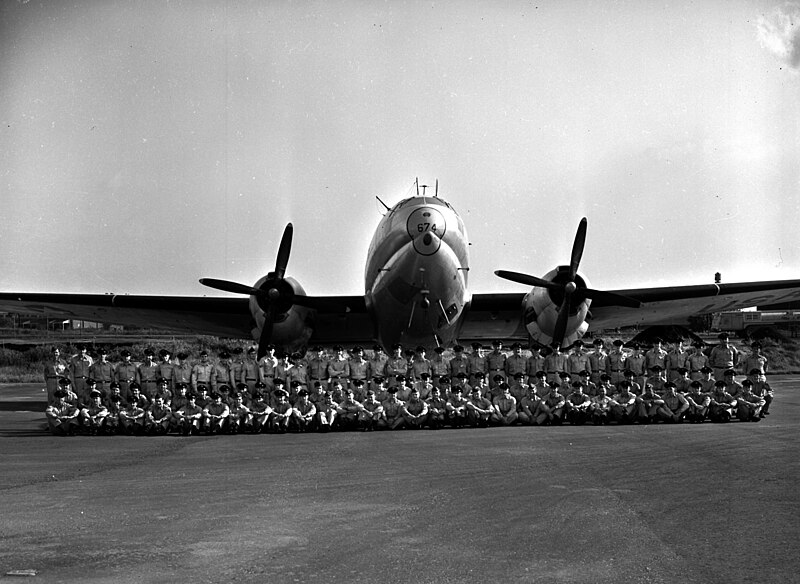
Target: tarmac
<point x="659" y="503"/>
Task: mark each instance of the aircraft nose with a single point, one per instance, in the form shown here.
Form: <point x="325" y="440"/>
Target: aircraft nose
<point x="426" y="226"/>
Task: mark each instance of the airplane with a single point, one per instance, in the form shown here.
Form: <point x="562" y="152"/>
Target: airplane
<point x="415" y="293"/>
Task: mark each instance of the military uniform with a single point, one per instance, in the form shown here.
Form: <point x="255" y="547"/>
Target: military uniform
<point x="577" y="361"/>
<point x="249" y="374"/>
<point x="166" y="368"/>
<point x="267" y="369"/>
<point x="419" y="365"/>
<point x="103" y="373"/>
<point x="79" y="372"/>
<point x="304" y="414"/>
<point x="698" y="403"/>
<point x="555" y="363"/>
<point x="456" y="408"/>
<point x="437" y="410"/>
<point x="749" y="405"/>
<point x="723" y="357"/>
<point x="54" y="371"/>
<point x="415" y="411"/>
<point x="371" y="413"/>
<point x="392" y="412"/>
<point x="158" y="418"/>
<point x="516" y="362"/>
<point x="440" y="367"/>
<point x="62" y="417"/>
<point x="577" y="405"/>
<point x="722" y="405"/>
<point x="359" y="368"/>
<point x="147" y="375"/>
<point x="506" y="408"/>
<point x="551" y="408"/>
<point x="202" y="372"/>
<point x="616" y="363"/>
<point x="676" y="359"/>
<point x="534" y="364"/>
<point x="377" y="365"/>
<point x="598" y="360"/>
<point x="479" y="410"/>
<point x="695" y="363"/>
<point x="496" y="362"/>
<point x="189" y="417"/>
<point x="215" y="415"/>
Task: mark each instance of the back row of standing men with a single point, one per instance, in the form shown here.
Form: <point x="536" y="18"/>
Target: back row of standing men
<point x="495" y="366"/>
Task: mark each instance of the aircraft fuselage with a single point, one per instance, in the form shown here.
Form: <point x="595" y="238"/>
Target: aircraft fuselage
<point x="416" y="273"/>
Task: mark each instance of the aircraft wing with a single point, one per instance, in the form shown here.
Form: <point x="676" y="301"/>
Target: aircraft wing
<point x="341" y="320"/>
<point x="675" y="304"/>
<point x="498" y="316"/>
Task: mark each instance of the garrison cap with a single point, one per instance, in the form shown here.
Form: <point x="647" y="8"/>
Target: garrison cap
<point x="237" y="351"/>
<point x="656" y="367"/>
<point x="480" y="374"/>
<point x="357" y="349"/>
<point x="477" y="346"/>
<point x="148" y="352"/>
<point x="598" y="342"/>
<point x="634" y="346"/>
<point x="204" y="353"/>
<point x="618" y="343"/>
<point x="258" y="395"/>
<point x="605" y="377"/>
<point x="516" y="346"/>
<point x="696" y="384"/>
<point x="497" y="377"/>
<point x="730" y="372"/>
<point x="281" y="393"/>
<point x="497" y="343"/>
<point x="223" y="388"/>
<point x="723" y="336"/>
<point x="278" y="381"/>
<point x="755" y="345"/>
<point x="192" y="395"/>
<point x="202" y="387"/>
<point x="115" y="385"/>
<point x="181" y="385"/>
<point x="584" y="373"/>
<point x="317" y="348"/>
<point x="82" y="347"/>
<point x="102" y="351"/>
<point x="392" y="389"/>
<point x="125" y="353"/>
<point x="457" y="389"/>
<point x="755" y="371"/>
<point x="95" y="393"/>
<point x="241" y="386"/>
<point x="270" y="347"/>
<point x="261" y="385"/>
<point x="376" y="379"/>
<point x="302" y="393"/>
<point x="747" y="383"/>
<point x="358" y="382"/>
<point x="400" y="378"/>
<point x="396" y="346"/>
<point x="563" y="375"/>
<point x="182" y="355"/>
<point x="625" y="384"/>
<point x="629" y="373"/>
<point x="421" y="349"/>
<point x="444" y="379"/>
<point x="424" y="375"/>
<point x="90" y="381"/>
<point x="576" y="384"/>
<point x="578" y="343"/>
<point x="706" y="369"/>
<point x="541" y="374"/>
<point x="439" y="350"/>
<point x="519" y="375"/>
<point x="670" y="384"/>
<point x="163" y="353"/>
<point x="377" y="348"/>
<point x="458" y="348"/>
<point x="251" y="350"/>
<point x="296" y="383"/>
<point x="134" y="385"/>
<point x="721" y="383"/>
<point x="682" y="370"/>
<point x="163" y="381"/>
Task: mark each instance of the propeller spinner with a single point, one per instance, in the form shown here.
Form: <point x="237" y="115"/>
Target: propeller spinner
<point x="569" y="288"/>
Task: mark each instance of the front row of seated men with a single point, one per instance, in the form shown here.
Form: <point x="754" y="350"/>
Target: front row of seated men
<point x="401" y="406"/>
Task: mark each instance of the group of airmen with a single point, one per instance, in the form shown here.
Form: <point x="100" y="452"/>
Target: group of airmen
<point x="291" y="392"/>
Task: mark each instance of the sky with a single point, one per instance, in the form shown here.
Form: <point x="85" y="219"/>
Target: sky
<point x="146" y="144"/>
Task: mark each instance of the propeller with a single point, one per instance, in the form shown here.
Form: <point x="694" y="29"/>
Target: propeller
<point x="275" y="296"/>
<point x="566" y="285"/>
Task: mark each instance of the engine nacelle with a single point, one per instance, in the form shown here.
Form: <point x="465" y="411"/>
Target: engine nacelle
<point x="293" y="326"/>
<point x="540" y="311"/>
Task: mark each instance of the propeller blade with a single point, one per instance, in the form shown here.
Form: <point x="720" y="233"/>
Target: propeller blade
<point x="283" y="252"/>
<point x="561" y="323"/>
<point x="611" y="299"/>
<point x="577" y="249"/>
<point x="227" y="286"/>
<point x="528" y="280"/>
